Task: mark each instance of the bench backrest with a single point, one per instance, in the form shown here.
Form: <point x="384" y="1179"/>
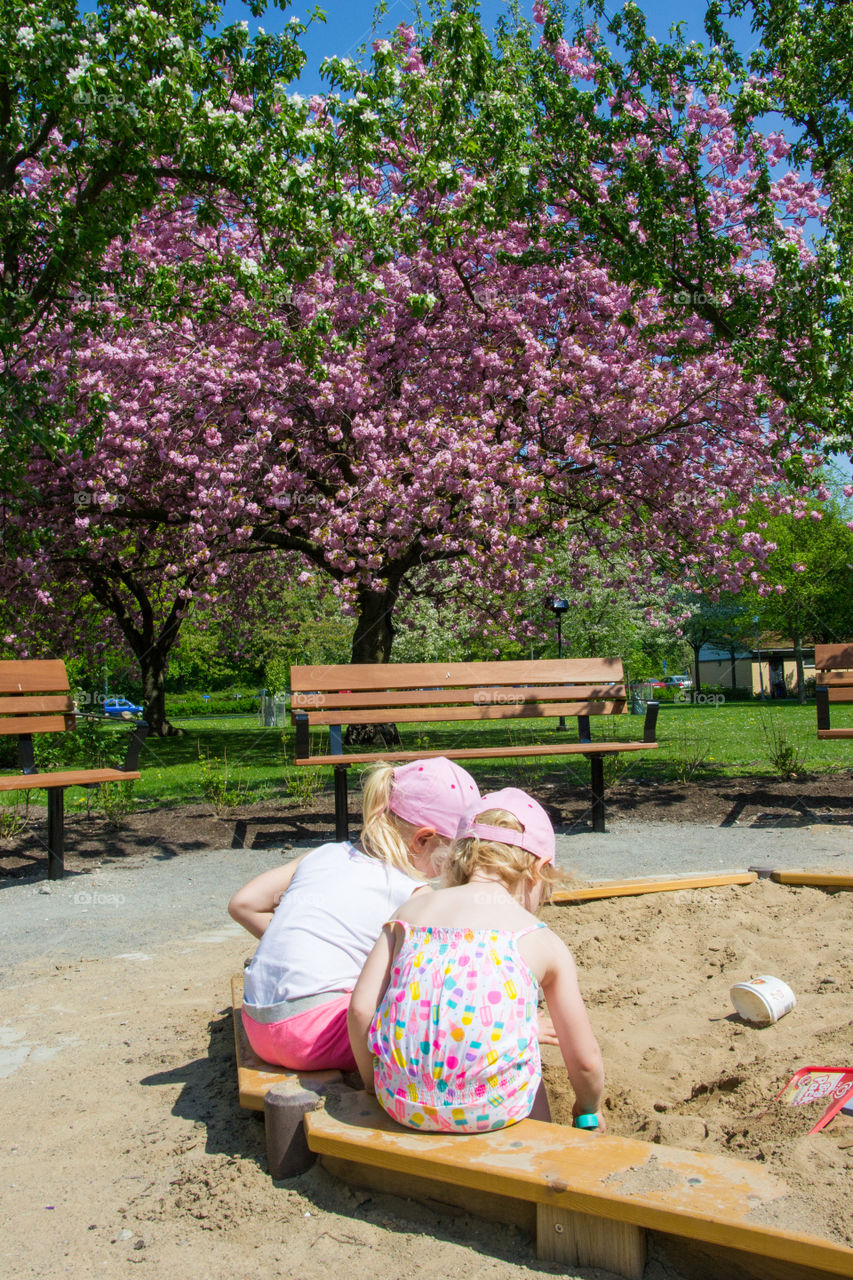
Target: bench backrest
<point x="34" y="697"/>
<point x="427" y="691"/>
<point x="834" y="668"/>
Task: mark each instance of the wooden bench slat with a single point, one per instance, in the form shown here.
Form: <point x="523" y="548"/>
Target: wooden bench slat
<point x="484" y="753"/>
<point x="838" y="656"/>
<point x="35" y="724"/>
<point x="841" y="693"/>
<point x="420" y="675"/>
<point x="835" y="733"/>
<point x="524" y="711"/>
<point x="71" y="778"/>
<point x="36" y="702"/>
<point x="703" y="1197"/>
<point x="33" y="676"/>
<point x="834" y="679"/>
<point x="500" y="695"/>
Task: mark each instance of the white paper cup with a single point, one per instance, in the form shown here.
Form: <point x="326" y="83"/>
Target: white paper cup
<point x="763" y="999"/>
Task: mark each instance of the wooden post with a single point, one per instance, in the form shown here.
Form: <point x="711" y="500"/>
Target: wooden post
<point x="822" y="698"/>
<point x="579" y="1239"/>
<point x="287" y="1147"/>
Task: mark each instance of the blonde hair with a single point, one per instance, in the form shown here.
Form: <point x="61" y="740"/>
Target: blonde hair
<point x="384" y="836"/>
<point x="512" y="866"/>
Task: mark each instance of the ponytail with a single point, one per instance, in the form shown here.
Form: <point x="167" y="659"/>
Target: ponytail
<point x="382" y="833"/>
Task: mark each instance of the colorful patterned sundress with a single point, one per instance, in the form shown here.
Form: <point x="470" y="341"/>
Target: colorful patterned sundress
<point x="455" y="1038"/>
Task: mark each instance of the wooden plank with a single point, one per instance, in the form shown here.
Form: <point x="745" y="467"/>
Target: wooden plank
<point x="663" y="884"/>
<point x="256" y="1077"/>
<point x="71" y="778"/>
<point x="683" y="1193"/>
<point x="580" y="1240"/>
<point x="486" y="753"/>
<point x="483" y="1204"/>
<point x="35" y="702"/>
<point x="843" y="694"/>
<point x="36" y="724"/>
<point x="837" y="656"/>
<point x="693" y="1260"/>
<point x="33" y="676"/>
<point x="814" y="879"/>
<point x="511" y="711"/>
<point x="475" y="695"/>
<point x="833" y="679"/>
<point x="835" y="733"/>
<point x="423" y="675"/>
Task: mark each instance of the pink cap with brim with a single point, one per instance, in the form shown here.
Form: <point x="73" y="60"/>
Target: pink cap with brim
<point x="433" y="793"/>
<point x="537" y="838"/>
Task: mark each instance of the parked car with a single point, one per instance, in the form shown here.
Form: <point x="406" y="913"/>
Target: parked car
<point x="121" y="707"/>
<point x="655" y="684"/>
<point x="678" y="682"/>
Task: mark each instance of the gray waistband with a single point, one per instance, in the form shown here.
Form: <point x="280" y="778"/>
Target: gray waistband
<point x="289" y="1008"/>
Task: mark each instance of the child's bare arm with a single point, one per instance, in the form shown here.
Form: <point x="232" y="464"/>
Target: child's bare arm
<point x="254" y="904"/>
<point x="575" y="1035"/>
<point x="366" y="996"/>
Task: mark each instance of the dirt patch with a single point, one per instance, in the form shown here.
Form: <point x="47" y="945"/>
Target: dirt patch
<point x="726" y="802"/>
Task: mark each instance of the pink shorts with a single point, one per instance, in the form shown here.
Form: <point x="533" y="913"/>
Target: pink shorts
<point x="316" y="1040"/>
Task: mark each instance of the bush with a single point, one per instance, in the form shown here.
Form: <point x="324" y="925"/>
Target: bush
<point x="228" y="702"/>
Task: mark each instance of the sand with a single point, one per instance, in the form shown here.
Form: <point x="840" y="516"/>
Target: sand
<point x="123" y="1146"/>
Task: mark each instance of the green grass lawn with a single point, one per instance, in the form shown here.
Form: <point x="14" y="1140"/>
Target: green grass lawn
<point x="251" y="763"/>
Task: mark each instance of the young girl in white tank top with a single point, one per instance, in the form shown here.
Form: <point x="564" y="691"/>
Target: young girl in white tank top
<point x="319" y="915"/>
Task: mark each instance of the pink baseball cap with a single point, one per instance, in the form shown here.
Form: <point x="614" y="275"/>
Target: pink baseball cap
<point x="538" y="834"/>
<point x="433" y="793"/>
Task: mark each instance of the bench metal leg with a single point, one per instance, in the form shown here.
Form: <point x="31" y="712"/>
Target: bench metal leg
<point x="341" y="803"/>
<point x="55" y="833"/>
<point x="597" y="779"/>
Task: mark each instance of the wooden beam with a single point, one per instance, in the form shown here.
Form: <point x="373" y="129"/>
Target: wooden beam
<point x="71" y="778"/>
<point x="627" y="888"/>
<point x="814" y="879"/>
<point x="702" y="1197"/>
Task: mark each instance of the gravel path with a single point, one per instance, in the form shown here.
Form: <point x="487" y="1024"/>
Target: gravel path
<point x="128" y="909"/>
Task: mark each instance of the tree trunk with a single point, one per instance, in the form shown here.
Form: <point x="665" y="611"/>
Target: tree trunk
<point x="150" y="648"/>
<point x="697" y="679"/>
<point x="153" y="670"/>
<point x="374" y="636"/>
<point x="801" y="675"/>
<point x="732" y="661"/>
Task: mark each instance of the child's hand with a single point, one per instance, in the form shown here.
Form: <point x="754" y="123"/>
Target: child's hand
<point x="546" y="1032"/>
<point x="599" y="1115"/>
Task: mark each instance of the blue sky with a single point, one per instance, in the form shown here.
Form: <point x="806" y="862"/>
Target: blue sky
<point x="349" y="24"/>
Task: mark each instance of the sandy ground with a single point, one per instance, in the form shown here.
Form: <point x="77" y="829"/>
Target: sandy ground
<point x="121" y="1142"/>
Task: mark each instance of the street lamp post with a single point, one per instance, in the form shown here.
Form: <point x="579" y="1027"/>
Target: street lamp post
<point x="560" y="607"/>
<point x="758" y="652"/>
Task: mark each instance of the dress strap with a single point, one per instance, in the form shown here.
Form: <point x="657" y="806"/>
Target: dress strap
<point x="522" y="933"/>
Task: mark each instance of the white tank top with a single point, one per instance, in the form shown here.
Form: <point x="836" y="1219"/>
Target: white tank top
<point x="322" y="930"/>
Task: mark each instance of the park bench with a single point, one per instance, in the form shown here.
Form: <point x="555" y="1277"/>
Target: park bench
<point x="35" y="698"/>
<point x="834" y="671"/>
<point x="427" y="692"/>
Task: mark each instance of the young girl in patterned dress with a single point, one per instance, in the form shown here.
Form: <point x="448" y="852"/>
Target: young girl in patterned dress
<point x="443" y="1018"/>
